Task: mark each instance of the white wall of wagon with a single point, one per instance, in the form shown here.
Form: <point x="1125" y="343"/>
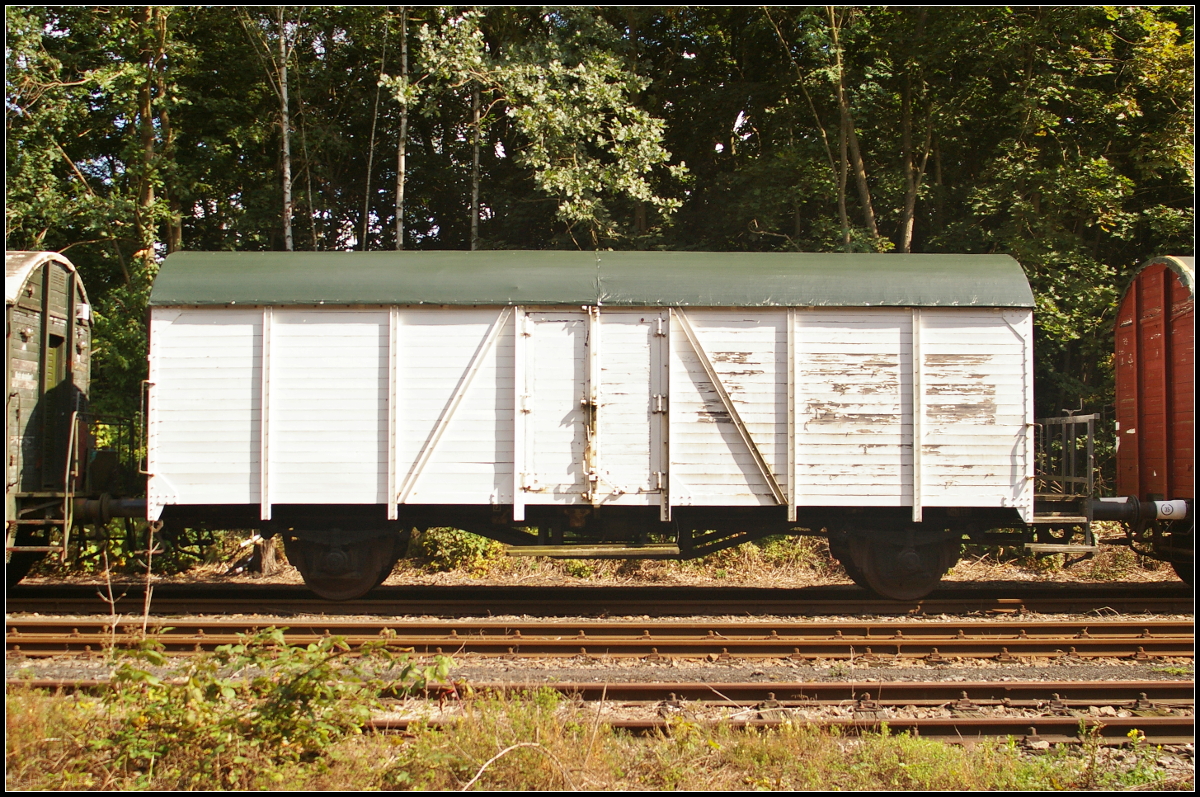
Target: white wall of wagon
<point x="585" y="406"/>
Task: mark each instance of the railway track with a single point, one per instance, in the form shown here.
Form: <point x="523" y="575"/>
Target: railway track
<point x="1035" y="712"/>
<point x="1050" y="730"/>
<point x="932" y="641"/>
<point x="667" y="601"/>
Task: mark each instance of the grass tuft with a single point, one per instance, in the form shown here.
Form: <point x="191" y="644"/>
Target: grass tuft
<point x="540" y="741"/>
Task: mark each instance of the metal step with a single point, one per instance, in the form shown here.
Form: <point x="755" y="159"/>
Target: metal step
<point x="34" y="548"/>
<point x="596" y="551"/>
<point x="1059" y="520"/>
<point x="1042" y="547"/>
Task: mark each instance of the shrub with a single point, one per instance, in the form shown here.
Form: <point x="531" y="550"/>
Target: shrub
<point x="224" y="717"/>
<point x="454" y="549"/>
<point x="579" y="568"/>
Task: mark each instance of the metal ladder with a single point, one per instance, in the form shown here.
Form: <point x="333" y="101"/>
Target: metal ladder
<point x="1064" y="483"/>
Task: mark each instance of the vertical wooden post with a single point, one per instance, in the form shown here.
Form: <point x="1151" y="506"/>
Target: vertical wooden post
<point x="520" y="409"/>
<point x="393" y="410"/>
<point x="918" y="411"/>
<point x="592" y="400"/>
<point x="665" y="348"/>
<point x="264" y="423"/>
<point x="792" y="494"/>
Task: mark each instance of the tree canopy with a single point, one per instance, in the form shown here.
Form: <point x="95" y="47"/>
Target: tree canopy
<point x="1060" y="135"/>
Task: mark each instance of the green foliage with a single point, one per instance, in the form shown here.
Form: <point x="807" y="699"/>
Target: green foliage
<point x="539" y="741"/>
<point x="455" y="549"/>
<point x="120" y="548"/>
<point x="1092" y="766"/>
<point x="1114" y="563"/>
<point x="495" y="723"/>
<point x="798" y="553"/>
<point x="1175" y="670"/>
<point x="569" y="100"/>
<point x="579" y="568"/>
<point x="1061" y="135"/>
<point x="258" y="700"/>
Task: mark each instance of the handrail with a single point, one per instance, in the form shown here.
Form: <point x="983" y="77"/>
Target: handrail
<point x="1066" y="459"/>
<point x="68" y="485"/>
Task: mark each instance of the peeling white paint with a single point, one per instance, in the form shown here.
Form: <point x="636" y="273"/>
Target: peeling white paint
<point x="355" y="394"/>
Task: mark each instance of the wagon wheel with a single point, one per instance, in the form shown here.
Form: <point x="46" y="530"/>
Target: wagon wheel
<point x="840" y="550"/>
<point x="343" y="571"/>
<point x="1183" y="536"/>
<point x="897" y="570"/>
<point x="398" y="547"/>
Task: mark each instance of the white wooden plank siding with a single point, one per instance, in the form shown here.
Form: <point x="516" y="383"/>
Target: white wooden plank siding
<point x="854" y="407"/>
<point x="556" y="435"/>
<point x="436" y="393"/>
<point x="977" y="378"/>
<point x="472" y="461"/>
<point x="629" y="418"/>
<point x="710" y="463"/>
<point x="204" y="405"/>
<point x="328" y="406"/>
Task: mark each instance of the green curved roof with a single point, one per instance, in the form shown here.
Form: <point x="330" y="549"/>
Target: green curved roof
<point x="631" y="279"/>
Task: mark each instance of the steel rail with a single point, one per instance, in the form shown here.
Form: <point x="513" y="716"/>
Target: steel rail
<point x="1109" y="731"/>
<point x="1050" y="730"/>
<point x="950" y="598"/>
<point x="929" y="640"/>
<point x="1137" y="695"/>
<point x="1160" y="712"/>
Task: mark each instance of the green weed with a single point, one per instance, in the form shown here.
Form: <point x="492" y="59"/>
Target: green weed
<point x="538" y="741"/>
<point x="1174" y="670"/>
<point x="453" y="549"/>
<point x="579" y="568"/>
<point x="224" y="719"/>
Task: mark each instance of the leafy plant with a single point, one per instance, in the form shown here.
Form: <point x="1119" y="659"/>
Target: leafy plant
<point x="579" y="568"/>
<point x="258" y="700"/>
<point x="799" y="553"/>
<point x="455" y="549"/>
<point x="1173" y="669"/>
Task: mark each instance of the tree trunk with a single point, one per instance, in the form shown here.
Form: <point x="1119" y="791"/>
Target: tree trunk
<point x="143" y="213"/>
<point x="371" y="148"/>
<point x="285" y="130"/>
<point x="640" y="224"/>
<point x="860" y="178"/>
<point x="312" y="209"/>
<point x="475" y="172"/>
<point x="910" y="181"/>
<point x="912" y="175"/>
<point x="839" y="175"/>
<point x="860" y="171"/>
<point x="401" y="151"/>
<point x="266" y="559"/>
<point x="175" y="217"/>
<point x="843" y="177"/>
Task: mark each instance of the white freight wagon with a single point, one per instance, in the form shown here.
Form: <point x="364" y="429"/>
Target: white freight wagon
<point x="611" y="403"/>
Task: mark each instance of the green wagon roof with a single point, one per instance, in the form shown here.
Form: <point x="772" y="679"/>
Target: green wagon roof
<point x="631" y="279"/>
